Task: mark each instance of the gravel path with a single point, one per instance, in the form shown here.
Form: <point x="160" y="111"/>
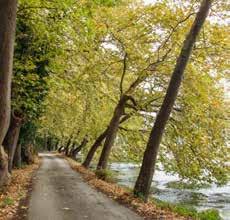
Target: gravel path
<point x="61" y="194"/>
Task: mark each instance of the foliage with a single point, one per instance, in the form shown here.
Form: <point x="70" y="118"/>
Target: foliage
<point x="86" y="85"/>
<point x="35" y="47"/>
<point x="27" y="133"/>
<point x="105" y="175"/>
<point x="184" y="185"/>
<point x="209" y="215"/>
<point x="74" y="59"/>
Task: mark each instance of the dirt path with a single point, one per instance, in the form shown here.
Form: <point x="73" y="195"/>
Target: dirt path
<point x="61" y="194"/>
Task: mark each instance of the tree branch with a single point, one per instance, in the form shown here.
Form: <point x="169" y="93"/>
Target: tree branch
<point x="123" y="73"/>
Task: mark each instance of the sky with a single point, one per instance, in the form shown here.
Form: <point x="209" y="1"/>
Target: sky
<point x="148" y="1"/>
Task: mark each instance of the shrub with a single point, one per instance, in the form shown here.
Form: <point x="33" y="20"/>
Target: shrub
<point x="105" y="175"/>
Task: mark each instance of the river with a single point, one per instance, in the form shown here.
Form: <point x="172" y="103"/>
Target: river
<point x="204" y="198"/>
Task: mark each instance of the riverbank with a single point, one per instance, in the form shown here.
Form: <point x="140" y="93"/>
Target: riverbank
<point x="148" y="210"/>
<point x="154" y="209"/>
<point x="170" y="189"/>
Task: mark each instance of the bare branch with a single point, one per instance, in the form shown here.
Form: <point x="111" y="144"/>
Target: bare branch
<point x="173" y="30"/>
<point x="123" y="72"/>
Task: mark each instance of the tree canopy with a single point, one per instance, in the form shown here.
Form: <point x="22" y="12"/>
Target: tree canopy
<point x="107" y="49"/>
<point x="76" y="61"/>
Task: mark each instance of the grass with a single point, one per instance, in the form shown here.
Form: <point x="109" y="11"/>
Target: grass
<point x="8" y="201"/>
<point x="210" y="214"/>
<point x="150" y="210"/>
<point x="105" y="175"/>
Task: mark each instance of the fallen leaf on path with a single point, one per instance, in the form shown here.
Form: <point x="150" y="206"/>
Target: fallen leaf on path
<point x="66" y="208"/>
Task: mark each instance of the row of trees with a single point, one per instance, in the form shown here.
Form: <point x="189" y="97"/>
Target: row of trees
<point x="123" y="67"/>
<point x="7" y="31"/>
<point x="26" y="51"/>
<point x="95" y="73"/>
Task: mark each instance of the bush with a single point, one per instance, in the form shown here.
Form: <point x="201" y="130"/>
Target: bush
<point x="105" y="175"/>
<point x="210" y="214"/>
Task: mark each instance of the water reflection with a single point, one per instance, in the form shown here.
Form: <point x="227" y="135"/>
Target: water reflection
<point x="201" y="199"/>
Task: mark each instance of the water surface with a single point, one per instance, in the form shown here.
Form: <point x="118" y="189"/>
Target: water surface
<point x="201" y="199"/>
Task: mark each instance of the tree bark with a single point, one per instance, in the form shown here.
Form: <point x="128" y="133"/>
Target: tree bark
<point x="4" y="174"/>
<point x="111" y="133"/>
<point x="7" y="32"/>
<point x="98" y="143"/>
<point x="144" y="179"/>
<point x="78" y="149"/>
<point x="56" y="145"/>
<point x="67" y="147"/>
<point x="94" y="148"/>
<point x="60" y="149"/>
<point x="72" y="147"/>
<point x="17" y="163"/>
<point x="28" y="154"/>
<point x="45" y="140"/>
<point x="49" y="143"/>
<point x="11" y="139"/>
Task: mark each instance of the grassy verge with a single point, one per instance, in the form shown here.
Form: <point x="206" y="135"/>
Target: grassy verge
<point x="154" y="209"/>
<point x="12" y="195"/>
<point x="148" y="210"/>
<point x="210" y="214"/>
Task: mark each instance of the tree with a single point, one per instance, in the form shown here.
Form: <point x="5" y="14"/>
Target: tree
<point x="98" y="143"/>
<point x="17" y="162"/>
<point x="11" y="139"/>
<point x="86" y="87"/>
<point x="137" y="62"/>
<point x="76" y="150"/>
<point x="144" y="179"/>
<point x="7" y="32"/>
<point x="94" y="148"/>
<point x="32" y="55"/>
<point x="111" y="133"/>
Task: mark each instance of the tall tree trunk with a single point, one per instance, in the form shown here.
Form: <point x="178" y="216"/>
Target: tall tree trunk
<point x="94" y="148"/>
<point x="78" y="149"/>
<point x="49" y="143"/>
<point x="7" y="32"/>
<point x="60" y="149"/>
<point x="45" y="141"/>
<point x="4" y="174"/>
<point x="17" y="163"/>
<point x="11" y="139"/>
<point x="98" y="143"/>
<point x="67" y="146"/>
<point x="72" y="148"/>
<point x="56" y="145"/>
<point x="112" y="132"/>
<point x="144" y="179"/>
<point x="28" y="153"/>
